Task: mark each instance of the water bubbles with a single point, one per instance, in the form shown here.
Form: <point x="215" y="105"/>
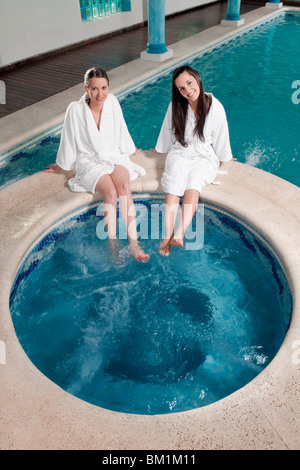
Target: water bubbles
<point x="256" y="154"/>
<point x="252" y="354"/>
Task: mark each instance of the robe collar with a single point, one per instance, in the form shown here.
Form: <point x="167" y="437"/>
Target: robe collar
<point x="101" y="139"/>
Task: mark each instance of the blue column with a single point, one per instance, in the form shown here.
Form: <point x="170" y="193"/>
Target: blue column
<point x="233" y="17"/>
<point x="156" y="27"/>
<point x="274" y="4"/>
<point x="156" y="47"/>
<point x="233" y="10"/>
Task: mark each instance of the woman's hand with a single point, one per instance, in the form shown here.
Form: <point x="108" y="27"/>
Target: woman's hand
<point x="137" y="151"/>
<point x="53" y="168"/>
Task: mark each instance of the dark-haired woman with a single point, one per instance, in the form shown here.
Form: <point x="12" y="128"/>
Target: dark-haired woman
<point x="96" y="142"/>
<point x="195" y="135"/>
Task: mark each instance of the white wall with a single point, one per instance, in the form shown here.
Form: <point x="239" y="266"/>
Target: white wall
<point x="32" y="27"/>
<point x="174" y="6"/>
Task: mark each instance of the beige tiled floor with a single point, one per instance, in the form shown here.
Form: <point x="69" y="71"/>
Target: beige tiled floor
<point x="36" y="414"/>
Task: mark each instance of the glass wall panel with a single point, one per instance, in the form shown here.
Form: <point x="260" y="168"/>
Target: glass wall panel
<point x="91" y="9"/>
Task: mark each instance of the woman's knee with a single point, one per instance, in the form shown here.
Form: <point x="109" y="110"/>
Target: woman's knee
<point x="123" y="189"/>
<point x="107" y="190"/>
<point x="111" y="195"/>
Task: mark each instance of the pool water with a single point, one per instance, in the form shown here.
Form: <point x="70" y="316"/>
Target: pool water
<point x="169" y="335"/>
<point x="29" y="160"/>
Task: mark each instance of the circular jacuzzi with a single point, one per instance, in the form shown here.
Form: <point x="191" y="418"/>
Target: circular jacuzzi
<point x="169" y="335"/>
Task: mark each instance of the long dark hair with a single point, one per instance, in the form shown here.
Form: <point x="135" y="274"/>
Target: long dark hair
<point x="94" y="72"/>
<point x="180" y="106"/>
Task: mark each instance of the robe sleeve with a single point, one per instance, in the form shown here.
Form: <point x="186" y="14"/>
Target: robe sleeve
<point x="67" y="151"/>
<point x="220" y="135"/>
<point x="166" y="136"/>
<point x="126" y="144"/>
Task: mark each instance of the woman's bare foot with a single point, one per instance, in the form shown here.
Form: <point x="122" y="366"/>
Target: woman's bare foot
<point x="137" y="252"/>
<point x="165" y="247"/>
<point x="114" y="248"/>
<point x="176" y="242"/>
<point x="53" y="168"/>
<point x="113" y="244"/>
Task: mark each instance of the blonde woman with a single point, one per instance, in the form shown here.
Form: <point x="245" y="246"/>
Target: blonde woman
<point x="96" y="142"/>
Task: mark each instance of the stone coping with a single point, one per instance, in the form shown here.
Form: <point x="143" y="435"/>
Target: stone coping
<point x="37" y="414"/>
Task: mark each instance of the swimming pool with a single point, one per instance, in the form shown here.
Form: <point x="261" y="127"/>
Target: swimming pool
<point x="252" y="75"/>
<point x="170" y="335"/>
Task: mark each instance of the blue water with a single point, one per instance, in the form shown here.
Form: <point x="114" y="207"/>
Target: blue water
<point x="252" y="76"/>
<point x="28" y="161"/>
<point x="169" y="335"/>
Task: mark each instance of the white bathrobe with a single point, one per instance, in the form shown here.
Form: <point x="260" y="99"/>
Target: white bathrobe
<point x="194" y="166"/>
<point x="95" y="152"/>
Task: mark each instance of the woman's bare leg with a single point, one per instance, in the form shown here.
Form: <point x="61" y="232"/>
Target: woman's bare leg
<point x="188" y="209"/>
<point x="121" y="181"/>
<point x="171" y="210"/>
<point x="107" y="189"/>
